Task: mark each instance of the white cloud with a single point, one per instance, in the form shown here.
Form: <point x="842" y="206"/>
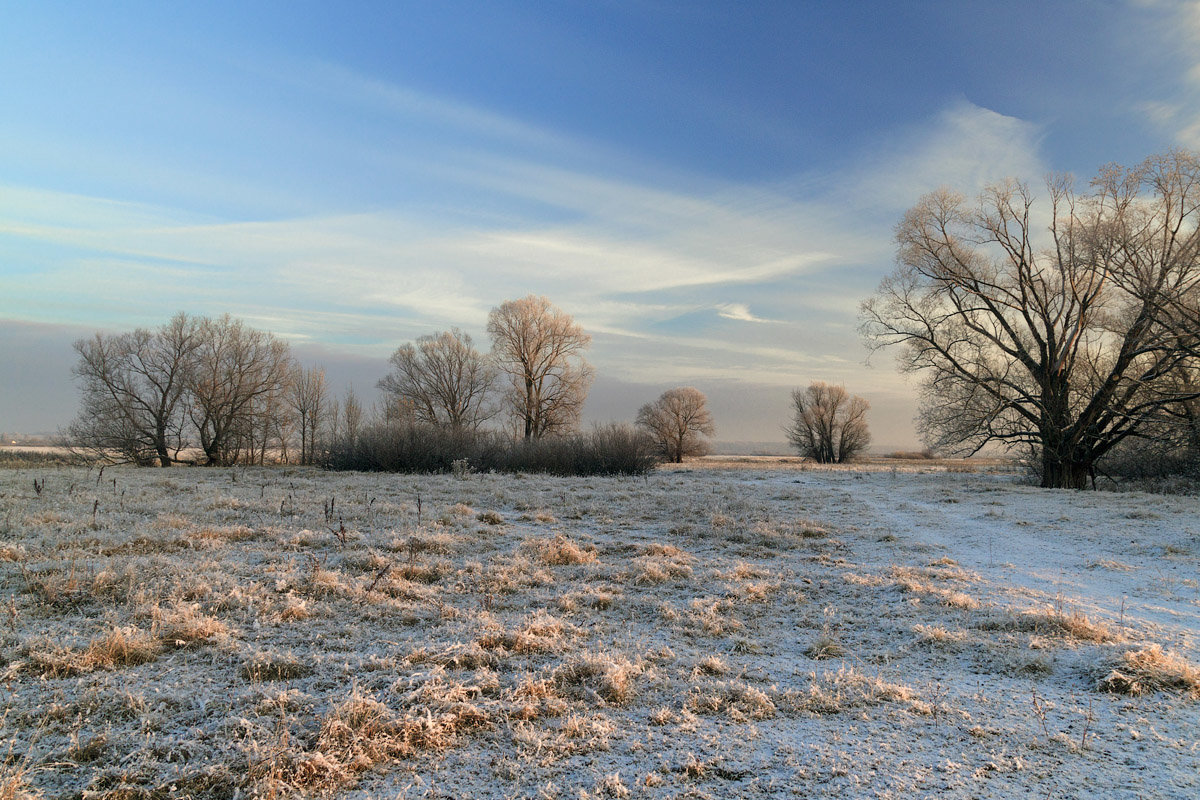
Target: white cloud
<point x="738" y="311"/>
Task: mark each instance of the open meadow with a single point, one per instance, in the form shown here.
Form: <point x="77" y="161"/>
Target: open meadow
<point x="733" y="628"/>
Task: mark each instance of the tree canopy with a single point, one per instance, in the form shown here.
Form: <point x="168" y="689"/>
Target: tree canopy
<point x="1061" y="343"/>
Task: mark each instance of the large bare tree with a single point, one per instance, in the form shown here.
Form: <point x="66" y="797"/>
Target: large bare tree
<point x="541" y="350"/>
<point x="678" y="421"/>
<point x="443" y="379"/>
<point x="1063" y="343"/>
<point x="830" y="425"/>
<point x="133" y="388"/>
<point x="239" y="374"/>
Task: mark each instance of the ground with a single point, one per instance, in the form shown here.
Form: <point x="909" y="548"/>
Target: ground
<point x="741" y="628"/>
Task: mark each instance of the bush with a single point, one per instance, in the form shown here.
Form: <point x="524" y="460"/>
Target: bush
<point x="606" y="450"/>
<point x="14" y="458"/>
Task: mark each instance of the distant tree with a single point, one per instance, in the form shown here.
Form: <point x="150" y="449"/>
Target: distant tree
<point x="133" y="391"/>
<point x="829" y="425"/>
<point x="239" y="374"/>
<point x="309" y="399"/>
<point x="350" y="415"/>
<point x="443" y="379"/>
<point x="540" y="348"/>
<point x="1061" y="344"/>
<point x="678" y="421"/>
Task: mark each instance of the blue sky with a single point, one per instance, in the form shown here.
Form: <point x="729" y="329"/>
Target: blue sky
<point x="710" y="188"/>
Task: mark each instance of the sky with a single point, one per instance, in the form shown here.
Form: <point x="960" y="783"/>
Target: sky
<point x="709" y="188"/>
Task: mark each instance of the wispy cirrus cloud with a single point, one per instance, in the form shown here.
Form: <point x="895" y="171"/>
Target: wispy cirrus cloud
<point x="676" y="276"/>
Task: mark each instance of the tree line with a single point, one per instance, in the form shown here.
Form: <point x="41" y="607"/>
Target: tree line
<point x="1070" y="335"/>
<point x="217" y="391"/>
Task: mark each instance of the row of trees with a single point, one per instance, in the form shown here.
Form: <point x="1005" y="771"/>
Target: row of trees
<point x="196" y="381"/>
<point x="235" y="393"/>
<point x="535" y="373"/>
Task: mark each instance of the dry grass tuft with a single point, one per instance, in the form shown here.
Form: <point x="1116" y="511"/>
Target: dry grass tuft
<point x="1149" y="670"/>
<point x="561" y="551"/>
<point x="737" y="700"/>
<point x="836" y="691"/>
<point x="122" y="647"/>
<point x="184" y="625"/>
<point x="1073" y="626"/>
<point x="600" y="678"/>
<point x="824" y="647"/>
<point x="272" y="665"/>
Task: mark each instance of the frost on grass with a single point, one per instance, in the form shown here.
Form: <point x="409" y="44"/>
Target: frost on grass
<point x="1151" y="669"/>
<point x="221" y="633"/>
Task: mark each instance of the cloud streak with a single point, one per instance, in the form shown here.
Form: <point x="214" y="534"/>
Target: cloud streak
<point x="682" y="279"/>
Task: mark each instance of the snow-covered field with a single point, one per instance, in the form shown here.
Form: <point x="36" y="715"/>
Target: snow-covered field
<point x="738" y="629"/>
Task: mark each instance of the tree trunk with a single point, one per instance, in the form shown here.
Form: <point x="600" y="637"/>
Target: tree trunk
<point x="1059" y="472"/>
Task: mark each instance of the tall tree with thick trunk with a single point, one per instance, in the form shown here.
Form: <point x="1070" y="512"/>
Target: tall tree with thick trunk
<point x="1062" y="344"/>
<point x="133" y="387"/>
<point x="541" y="349"/>
<point x="239" y="373"/>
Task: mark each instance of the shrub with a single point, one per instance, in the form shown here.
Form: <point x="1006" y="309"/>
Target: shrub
<point x="605" y="450"/>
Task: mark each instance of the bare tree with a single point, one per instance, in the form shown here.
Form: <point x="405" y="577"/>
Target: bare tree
<point x="830" y="425"/>
<point x="350" y="415"/>
<point x="678" y="421"/>
<point x="443" y="379"/>
<point x="1064" y="349"/>
<point x="238" y="371"/>
<point x="133" y="385"/>
<point x="540" y="348"/>
<point x="309" y="399"/>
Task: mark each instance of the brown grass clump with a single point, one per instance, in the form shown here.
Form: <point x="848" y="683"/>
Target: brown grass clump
<point x="737" y="700"/>
<point x="122" y="647"/>
<point x="561" y="551"/>
<point x="184" y="625"/>
<point x="824" y="647"/>
<point x="597" y="677"/>
<point x="1149" y="670"/>
<point x="14" y="781"/>
<point x="270" y="665"/>
<point x="1051" y="622"/>
<point x="836" y="691"/>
